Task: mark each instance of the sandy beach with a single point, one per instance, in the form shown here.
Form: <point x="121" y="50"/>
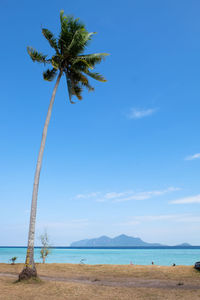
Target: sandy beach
<point x="70" y="281"/>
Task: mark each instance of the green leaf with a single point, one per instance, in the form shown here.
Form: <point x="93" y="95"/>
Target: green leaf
<point x="61" y="16"/>
<point x="90" y="60"/>
<point x="55" y="61"/>
<point x="95" y="76"/>
<point x="78" y="90"/>
<point x="50" y="38"/>
<point x="79" y="41"/>
<point x="83" y="62"/>
<point x="78" y="77"/>
<point x="70" y="88"/>
<point x="69" y="26"/>
<point x="93" y="59"/>
<point x="49" y="75"/>
<point x="36" y="56"/>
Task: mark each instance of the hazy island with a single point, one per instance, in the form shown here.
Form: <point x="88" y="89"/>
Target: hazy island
<point x="119" y="241"/>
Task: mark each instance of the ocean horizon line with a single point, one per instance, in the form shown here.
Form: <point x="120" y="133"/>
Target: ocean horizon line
<point x="110" y="247"/>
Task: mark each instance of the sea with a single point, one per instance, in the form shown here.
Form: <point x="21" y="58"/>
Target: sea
<point x="163" y="256"/>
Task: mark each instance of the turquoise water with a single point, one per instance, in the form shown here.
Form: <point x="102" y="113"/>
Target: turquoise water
<point x="163" y="257"/>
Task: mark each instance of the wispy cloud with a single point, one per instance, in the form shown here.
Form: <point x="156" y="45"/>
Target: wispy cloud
<point x="187" y="200"/>
<point x="115" y="195"/>
<point x="191" y="157"/>
<point x="86" y="196"/>
<point x="146" y="195"/>
<point x="141" y="113"/>
<point x="126" y="195"/>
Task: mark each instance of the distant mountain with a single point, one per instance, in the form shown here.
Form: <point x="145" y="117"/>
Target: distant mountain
<point x="118" y="241"/>
<point x="184" y="245"/>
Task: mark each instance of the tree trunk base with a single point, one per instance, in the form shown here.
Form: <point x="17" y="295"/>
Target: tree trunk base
<point x="28" y="273"/>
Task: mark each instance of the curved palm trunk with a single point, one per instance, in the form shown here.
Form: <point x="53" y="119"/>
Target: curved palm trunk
<point x="29" y="268"/>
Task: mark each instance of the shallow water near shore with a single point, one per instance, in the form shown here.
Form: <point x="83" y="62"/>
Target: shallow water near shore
<point x="164" y="257"/>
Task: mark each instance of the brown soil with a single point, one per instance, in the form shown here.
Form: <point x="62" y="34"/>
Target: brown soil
<point x="102" y="282"/>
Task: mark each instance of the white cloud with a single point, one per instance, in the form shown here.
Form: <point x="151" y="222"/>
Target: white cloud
<point x="115" y="195"/>
<point x="138" y="114"/>
<point x="191" y="157"/>
<point x="146" y="195"/>
<point x="86" y="196"/>
<point x="126" y="195"/>
<point x="187" y="200"/>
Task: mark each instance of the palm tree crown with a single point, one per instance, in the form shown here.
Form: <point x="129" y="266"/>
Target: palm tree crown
<point x="69" y="58"/>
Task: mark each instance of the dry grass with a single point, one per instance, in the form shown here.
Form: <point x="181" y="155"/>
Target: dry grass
<point x="64" y="290"/>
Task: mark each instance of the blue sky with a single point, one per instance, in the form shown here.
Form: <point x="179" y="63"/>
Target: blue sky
<point x="125" y="159"/>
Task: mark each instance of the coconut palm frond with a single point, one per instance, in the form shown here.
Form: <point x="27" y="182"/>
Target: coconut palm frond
<point x="77" y="76"/>
<point x="82" y="64"/>
<point x="69" y="27"/>
<point x="49" y="75"/>
<point x="68" y="23"/>
<point x="78" y="90"/>
<point x="50" y="38"/>
<point x="88" y="86"/>
<point x="36" y="56"/>
<point x="65" y="34"/>
<point x="56" y="61"/>
<point x="92" y="59"/>
<point x="95" y="76"/>
<point x="70" y="88"/>
<point x="79" y="41"/>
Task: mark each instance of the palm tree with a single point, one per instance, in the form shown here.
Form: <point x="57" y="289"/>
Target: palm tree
<point x="69" y="60"/>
